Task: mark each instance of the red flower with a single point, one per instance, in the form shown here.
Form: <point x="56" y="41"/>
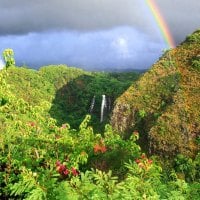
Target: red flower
<point x="32" y="123"/>
<point x="66" y="172"/>
<point x="137" y="161"/>
<point x="143" y="156"/>
<point x="75" y="172"/>
<point x="150" y="161"/>
<point x="97" y="148"/>
<point x="60" y="167"/>
<point x="103" y="149"/>
<point x="57" y="163"/>
<point x="100" y="148"/>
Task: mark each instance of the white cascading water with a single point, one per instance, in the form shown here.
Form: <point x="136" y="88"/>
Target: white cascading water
<point x="92" y="104"/>
<point x="103" y="106"/>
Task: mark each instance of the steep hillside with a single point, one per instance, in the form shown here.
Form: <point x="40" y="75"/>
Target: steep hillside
<point x="35" y="86"/>
<point x="164" y="105"/>
<point x="68" y="91"/>
<point x="26" y="95"/>
<point x="84" y="95"/>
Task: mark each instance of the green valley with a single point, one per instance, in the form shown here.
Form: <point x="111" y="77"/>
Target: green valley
<point x="55" y="142"/>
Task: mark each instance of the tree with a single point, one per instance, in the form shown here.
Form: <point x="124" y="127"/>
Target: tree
<point x="8" y="56"/>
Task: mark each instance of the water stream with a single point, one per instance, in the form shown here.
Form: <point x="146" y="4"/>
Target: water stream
<point x="103" y="106"/>
<point x="92" y="104"/>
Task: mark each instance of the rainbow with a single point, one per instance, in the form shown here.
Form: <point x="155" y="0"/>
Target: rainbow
<point x="161" y="23"/>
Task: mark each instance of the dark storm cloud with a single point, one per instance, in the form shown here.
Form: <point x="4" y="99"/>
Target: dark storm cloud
<point x="23" y="16"/>
<point x="102" y="50"/>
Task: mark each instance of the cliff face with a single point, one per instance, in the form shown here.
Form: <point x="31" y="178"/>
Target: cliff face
<point x="164" y="105"/>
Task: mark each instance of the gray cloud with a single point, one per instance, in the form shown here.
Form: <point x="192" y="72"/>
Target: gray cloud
<point x="118" y="48"/>
<point x="23" y="16"/>
<point x="182" y="16"/>
<point x="92" y="33"/>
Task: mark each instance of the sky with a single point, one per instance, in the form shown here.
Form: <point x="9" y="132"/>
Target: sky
<point x="101" y="35"/>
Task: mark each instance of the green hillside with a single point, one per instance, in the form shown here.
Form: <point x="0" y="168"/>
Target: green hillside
<point x="165" y="103"/>
<point x="50" y="148"/>
<point x="68" y="91"/>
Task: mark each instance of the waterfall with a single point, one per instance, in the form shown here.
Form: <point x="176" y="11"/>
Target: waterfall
<point x="103" y="106"/>
<point x="92" y="104"/>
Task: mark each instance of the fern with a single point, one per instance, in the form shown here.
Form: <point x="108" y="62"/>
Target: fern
<point x="28" y="187"/>
<point x="36" y="194"/>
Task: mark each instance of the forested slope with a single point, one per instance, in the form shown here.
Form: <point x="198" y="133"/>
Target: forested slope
<point x="165" y="103"/>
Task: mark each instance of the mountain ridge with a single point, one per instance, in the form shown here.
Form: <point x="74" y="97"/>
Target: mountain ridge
<point x="164" y="102"/>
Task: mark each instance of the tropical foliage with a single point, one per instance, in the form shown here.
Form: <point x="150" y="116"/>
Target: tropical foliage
<point x="69" y="91"/>
<point x="44" y="157"/>
<point x="164" y="104"/>
<point x="8" y="56"/>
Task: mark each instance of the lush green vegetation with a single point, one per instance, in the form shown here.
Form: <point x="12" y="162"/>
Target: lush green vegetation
<point x="51" y="148"/>
<point x="43" y="160"/>
<point x="73" y="100"/>
<point x="164" y="104"/>
<point x="40" y="160"/>
<point x="32" y="140"/>
<point x="8" y="56"/>
<point x="69" y="91"/>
